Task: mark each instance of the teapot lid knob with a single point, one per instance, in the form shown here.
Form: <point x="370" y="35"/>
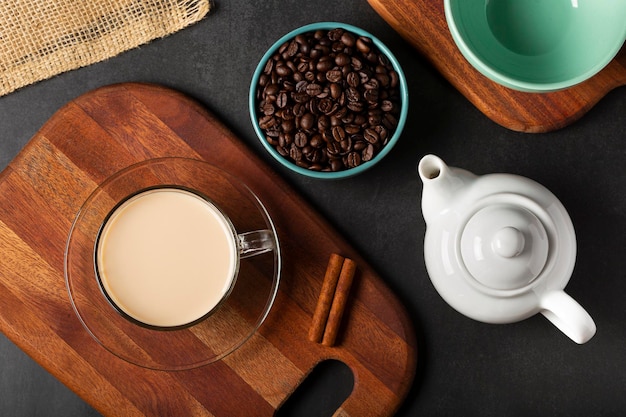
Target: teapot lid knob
<point x="504" y="246"/>
<point x="508" y="242"/>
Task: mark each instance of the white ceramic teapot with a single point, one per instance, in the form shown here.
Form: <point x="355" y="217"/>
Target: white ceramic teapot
<point x="500" y="248"/>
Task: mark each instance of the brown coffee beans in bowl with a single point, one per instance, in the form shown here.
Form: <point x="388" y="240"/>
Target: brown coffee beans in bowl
<point x="328" y="100"/>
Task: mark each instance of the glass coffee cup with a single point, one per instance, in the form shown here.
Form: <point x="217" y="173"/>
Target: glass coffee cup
<point x="168" y="256"/>
<point x="172" y="263"/>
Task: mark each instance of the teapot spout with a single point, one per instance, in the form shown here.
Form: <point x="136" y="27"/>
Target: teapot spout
<point x="441" y="185"/>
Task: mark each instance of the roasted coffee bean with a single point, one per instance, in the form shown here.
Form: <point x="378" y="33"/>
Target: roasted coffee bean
<point x="283" y="47"/>
<point x="336" y="164"/>
<point x="324" y="64"/>
<point x="334" y="76"/>
<point x="383" y="79"/>
<point x="299" y="109"/>
<point x="301" y="86"/>
<point x="335" y="34"/>
<point x="283" y="70"/>
<point x="301" y="39"/>
<point x="273" y="131"/>
<point x="267" y="122"/>
<point x="307" y="121"/>
<point x="348" y="39"/>
<point x="352" y="94"/>
<point x="281" y="99"/>
<point x="328" y="100"/>
<point x="356" y="106"/>
<point x="312" y="106"/>
<point x="371" y="135"/>
<point x="268" y="109"/>
<point x="374" y="117"/>
<point x="359" y="143"/>
<point x="313" y="89"/>
<point x="302" y="67"/>
<point x="386" y="106"/>
<point x="293" y="48"/>
<point x="368" y="153"/>
<point x="383" y="133"/>
<point x="315" y="156"/>
<point x="281" y="150"/>
<point x="338" y="46"/>
<point x="285" y="114"/>
<point x="393" y="79"/>
<point x="272" y="141"/>
<point x="341" y="112"/>
<point x="371" y="83"/>
<point x="342" y="59"/>
<point x="360" y="120"/>
<point x="370" y="95"/>
<point x="353" y="79"/>
<point x="295" y="153"/>
<point x="390" y="121"/>
<point x="327" y="136"/>
<point x="351" y="129"/>
<point x="346" y="144"/>
<point x="269" y="66"/>
<point x="353" y="159"/>
<point x="333" y="148"/>
<point x="287" y="125"/>
<point x="339" y="133"/>
<point x="317" y="141"/>
<point x="264" y="79"/>
<point x="326" y="106"/>
<point x="285" y="139"/>
<point x="335" y="90"/>
<point x="357" y="64"/>
<point x="300" y="139"/>
<point x="363" y="45"/>
<point x="271" y="89"/>
<point x="364" y="76"/>
<point x="300" y="97"/>
<point x="289" y="85"/>
<point x="323" y="123"/>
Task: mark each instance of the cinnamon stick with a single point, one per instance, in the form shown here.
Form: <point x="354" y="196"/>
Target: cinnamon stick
<point x="325" y="299"/>
<point x="339" y="302"/>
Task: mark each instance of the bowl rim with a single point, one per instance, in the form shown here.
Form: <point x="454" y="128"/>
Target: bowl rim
<point x="524" y="86"/>
<point x="404" y="96"/>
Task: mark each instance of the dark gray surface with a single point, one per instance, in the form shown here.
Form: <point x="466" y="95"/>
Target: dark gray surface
<point x="465" y="367"/>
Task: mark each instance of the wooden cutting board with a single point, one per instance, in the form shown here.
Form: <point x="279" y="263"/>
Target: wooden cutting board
<point x="423" y="24"/>
<point x="98" y="134"/>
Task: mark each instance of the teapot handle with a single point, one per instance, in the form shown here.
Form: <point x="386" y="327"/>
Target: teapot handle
<point x="568" y="316"/>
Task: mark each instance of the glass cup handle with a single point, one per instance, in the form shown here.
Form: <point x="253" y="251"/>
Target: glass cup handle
<point x="256" y="243"/>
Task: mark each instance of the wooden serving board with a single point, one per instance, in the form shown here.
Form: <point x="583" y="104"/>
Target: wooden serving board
<point x="96" y="135"/>
<point x="423" y="24"/>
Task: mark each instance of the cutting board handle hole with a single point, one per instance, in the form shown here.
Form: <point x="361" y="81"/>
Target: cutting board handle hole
<point x="321" y="393"/>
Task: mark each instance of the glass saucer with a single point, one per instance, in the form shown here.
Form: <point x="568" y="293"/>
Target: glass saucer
<point x="211" y="339"/>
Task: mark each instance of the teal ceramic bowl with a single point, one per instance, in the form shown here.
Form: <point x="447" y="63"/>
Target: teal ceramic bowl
<point x="348" y="172"/>
<point x="537" y="45"/>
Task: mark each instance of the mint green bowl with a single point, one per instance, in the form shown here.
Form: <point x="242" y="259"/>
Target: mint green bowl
<point x="537" y="45"/>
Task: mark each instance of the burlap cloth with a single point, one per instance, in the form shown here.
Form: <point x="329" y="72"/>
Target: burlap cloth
<point x="42" y="38"/>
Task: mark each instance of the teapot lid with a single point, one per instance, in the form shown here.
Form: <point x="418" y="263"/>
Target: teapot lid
<point x="504" y="246"/>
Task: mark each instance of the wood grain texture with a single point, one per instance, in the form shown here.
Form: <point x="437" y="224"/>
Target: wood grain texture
<point x="423" y="24"/>
<point x="106" y="130"/>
